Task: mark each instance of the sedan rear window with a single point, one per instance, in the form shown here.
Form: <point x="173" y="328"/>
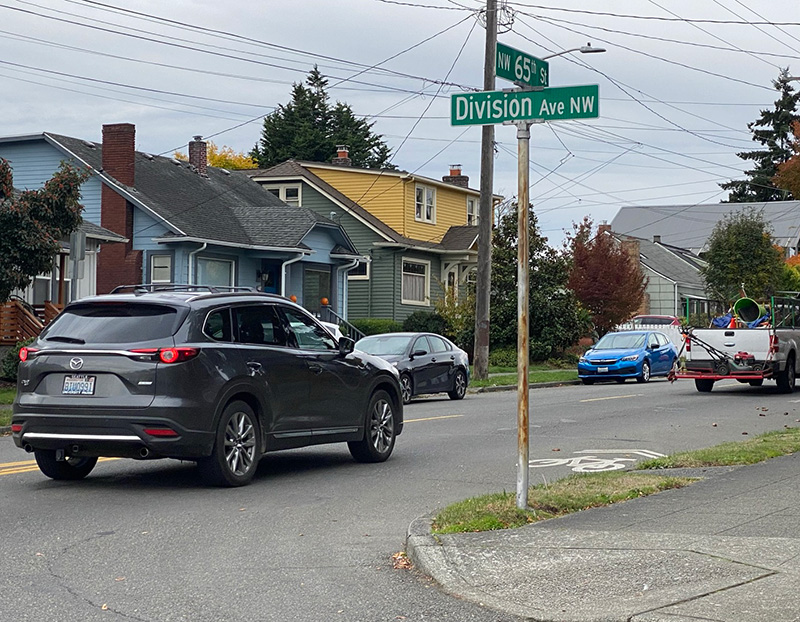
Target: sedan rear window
<point x="113" y="323"/>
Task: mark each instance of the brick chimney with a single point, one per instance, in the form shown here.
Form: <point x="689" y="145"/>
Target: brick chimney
<point x="656" y="239"/>
<point x="455" y="177"/>
<point x="342" y="156"/>
<point x="118" y="264"/>
<point x="198" y="155"/>
<point x="603" y="228"/>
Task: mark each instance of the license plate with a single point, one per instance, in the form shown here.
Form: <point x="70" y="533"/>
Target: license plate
<point x="602" y="370"/>
<point x="78" y="385"/>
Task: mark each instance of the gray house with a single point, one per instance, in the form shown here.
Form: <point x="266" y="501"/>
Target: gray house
<point x="187" y="222"/>
<point x="673" y="275"/>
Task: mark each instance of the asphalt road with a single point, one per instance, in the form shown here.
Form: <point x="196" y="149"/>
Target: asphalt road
<point x="312" y="537"/>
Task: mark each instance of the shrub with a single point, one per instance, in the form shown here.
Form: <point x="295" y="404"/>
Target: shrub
<point x="426" y="322"/>
<point x="10" y="363"/>
<point x="376" y="326"/>
<point x="503" y="357"/>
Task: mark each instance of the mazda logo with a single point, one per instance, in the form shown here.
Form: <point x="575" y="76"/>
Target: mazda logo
<point x="76" y="363"/>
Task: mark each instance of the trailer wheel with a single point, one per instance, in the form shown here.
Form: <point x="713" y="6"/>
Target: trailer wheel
<point x="785" y="379"/>
<point x="704" y="385"/>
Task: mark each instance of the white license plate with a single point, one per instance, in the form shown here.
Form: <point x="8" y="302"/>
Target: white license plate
<point x="78" y="385"/>
<point x="602" y="370"/>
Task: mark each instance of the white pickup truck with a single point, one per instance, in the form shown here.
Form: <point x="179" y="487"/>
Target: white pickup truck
<point x="749" y="355"/>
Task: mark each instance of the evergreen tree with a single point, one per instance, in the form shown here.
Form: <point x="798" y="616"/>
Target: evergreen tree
<point x="774" y="131"/>
<point x="740" y="251"/>
<point x="553" y="317"/>
<point x="310" y="128"/>
<point x="606" y="280"/>
<point x="33" y="222"/>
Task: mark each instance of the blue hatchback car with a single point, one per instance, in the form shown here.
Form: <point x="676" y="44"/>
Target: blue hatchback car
<point x="638" y="354"/>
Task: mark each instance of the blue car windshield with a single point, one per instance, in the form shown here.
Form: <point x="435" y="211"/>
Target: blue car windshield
<point x="621" y="341"/>
<point x="381" y="345"/>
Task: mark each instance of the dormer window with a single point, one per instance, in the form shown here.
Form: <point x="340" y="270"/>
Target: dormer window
<point x="288" y="193"/>
<point x="425" y="207"/>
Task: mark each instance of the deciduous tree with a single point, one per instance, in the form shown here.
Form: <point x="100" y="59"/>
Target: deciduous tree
<point x="310" y="128"/>
<point x="33" y="222"/>
<point x="788" y="175"/>
<point x="553" y="317"/>
<point x="223" y="157"/>
<point x="605" y="278"/>
<point x="740" y="251"/>
<point x="773" y="130"/>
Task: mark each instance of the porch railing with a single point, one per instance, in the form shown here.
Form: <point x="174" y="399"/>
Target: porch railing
<point x="20" y="321"/>
<point x="329" y="315"/>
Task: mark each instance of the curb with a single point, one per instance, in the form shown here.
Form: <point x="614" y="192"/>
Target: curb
<point x="532" y="385"/>
<point x="5" y="429"/>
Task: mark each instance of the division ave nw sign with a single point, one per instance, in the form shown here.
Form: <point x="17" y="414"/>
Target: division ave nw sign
<point x="553" y="104"/>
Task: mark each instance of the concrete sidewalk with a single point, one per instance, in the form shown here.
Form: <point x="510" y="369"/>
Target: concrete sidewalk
<point x="725" y="548"/>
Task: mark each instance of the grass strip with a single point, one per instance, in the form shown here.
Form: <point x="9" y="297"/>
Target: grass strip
<point x="533" y="377"/>
<point x="757" y="449"/>
<point x="564" y="496"/>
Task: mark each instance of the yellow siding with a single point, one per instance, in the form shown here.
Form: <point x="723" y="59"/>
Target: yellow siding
<point x="392" y="200"/>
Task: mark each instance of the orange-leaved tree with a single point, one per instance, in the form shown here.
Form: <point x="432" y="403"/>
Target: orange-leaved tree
<point x="788" y="175"/>
<point x="223" y="157"/>
<point x="606" y="279"/>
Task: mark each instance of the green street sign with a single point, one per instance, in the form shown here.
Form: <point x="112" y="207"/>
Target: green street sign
<point x="552" y="104"/>
<point x="522" y="69"/>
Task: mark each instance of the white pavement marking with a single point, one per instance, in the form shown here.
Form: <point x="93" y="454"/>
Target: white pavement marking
<point x="613" y="397"/>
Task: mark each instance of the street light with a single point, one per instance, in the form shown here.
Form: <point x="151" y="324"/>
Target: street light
<point x="523" y="283"/>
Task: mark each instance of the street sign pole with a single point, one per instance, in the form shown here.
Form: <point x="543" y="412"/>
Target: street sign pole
<point x="523" y="335"/>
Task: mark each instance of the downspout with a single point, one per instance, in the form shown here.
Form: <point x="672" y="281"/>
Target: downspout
<point x="191" y="261"/>
<point x="283" y="272"/>
<point x="676" y="300"/>
<point x="345" y="288"/>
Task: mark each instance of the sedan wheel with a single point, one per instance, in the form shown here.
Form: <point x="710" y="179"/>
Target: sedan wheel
<point x="645" y="375"/>
<point x="379" y="431"/>
<point x="459" y="386"/>
<point x="406" y="387"/>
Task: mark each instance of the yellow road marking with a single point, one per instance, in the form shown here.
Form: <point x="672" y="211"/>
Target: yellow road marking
<point x="26" y="466"/>
<point x="434" y="418"/>
<point x="613" y="397"/>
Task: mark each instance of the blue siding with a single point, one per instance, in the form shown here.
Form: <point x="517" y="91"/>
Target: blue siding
<point x="145" y="228"/>
<point x="34" y="162"/>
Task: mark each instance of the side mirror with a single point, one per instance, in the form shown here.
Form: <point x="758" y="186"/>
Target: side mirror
<point x="418" y="353"/>
<point x="346" y="345"/>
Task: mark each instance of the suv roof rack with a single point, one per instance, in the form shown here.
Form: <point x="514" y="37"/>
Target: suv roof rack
<point x="143" y="288"/>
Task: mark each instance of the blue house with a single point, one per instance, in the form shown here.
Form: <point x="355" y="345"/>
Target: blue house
<point x="158" y="220"/>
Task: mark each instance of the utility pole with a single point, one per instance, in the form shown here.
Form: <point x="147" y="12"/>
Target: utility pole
<point x="485" y="216"/>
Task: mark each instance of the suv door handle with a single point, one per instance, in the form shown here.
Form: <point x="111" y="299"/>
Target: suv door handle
<point x="433" y="359"/>
<point x="315" y="367"/>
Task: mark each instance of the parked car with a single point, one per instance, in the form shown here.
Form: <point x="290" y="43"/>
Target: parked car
<point x="219" y="378"/>
<point x="428" y="363"/>
<point x="639" y="321"/>
<point x="628" y="354"/>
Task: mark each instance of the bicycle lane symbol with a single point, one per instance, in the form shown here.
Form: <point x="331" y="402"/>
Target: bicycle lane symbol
<point x="592" y="463"/>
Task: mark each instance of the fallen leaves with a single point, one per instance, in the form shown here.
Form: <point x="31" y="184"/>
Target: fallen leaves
<point x="400" y="561"/>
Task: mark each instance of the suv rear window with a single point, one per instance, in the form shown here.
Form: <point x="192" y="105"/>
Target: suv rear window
<point x="113" y="323"/>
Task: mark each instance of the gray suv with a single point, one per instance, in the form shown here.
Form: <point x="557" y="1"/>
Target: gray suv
<point x="217" y="377"/>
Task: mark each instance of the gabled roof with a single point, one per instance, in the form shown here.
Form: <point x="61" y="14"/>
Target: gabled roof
<point x="457" y="240"/>
<point x="225" y="207"/>
<point x="690" y="226"/>
<point x="676" y="264"/>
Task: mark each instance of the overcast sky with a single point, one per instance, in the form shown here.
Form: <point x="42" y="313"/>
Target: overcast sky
<point x="677" y="86"/>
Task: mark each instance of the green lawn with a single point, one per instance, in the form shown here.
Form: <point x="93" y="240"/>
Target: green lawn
<point x="552" y="375"/>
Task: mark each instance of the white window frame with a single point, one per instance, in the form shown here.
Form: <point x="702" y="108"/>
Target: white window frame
<point x="360" y="277"/>
<point x="230" y="262"/>
<point x="281" y="188"/>
<point x="473" y="214"/>
<point x="420" y="211"/>
<point x="422" y="262"/>
<point x="153" y="258"/>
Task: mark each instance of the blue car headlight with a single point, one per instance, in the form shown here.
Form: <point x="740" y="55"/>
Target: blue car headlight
<point x="583" y="359"/>
<point x="632" y="357"/>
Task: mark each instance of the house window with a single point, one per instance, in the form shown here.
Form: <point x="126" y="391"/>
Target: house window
<point x="416" y="282"/>
<point x="161" y="268"/>
<point x="289" y="194"/>
<point x="360" y="272"/>
<point x="472" y="211"/>
<point x="214" y="272"/>
<point x="425" y="207"/>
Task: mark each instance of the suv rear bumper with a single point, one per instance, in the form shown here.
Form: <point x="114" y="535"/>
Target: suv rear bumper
<point x="109" y="436"/>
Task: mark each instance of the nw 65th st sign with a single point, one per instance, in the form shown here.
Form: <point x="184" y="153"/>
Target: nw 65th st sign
<point x="553" y="104"/>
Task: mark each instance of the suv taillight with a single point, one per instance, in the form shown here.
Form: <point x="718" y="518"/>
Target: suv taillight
<point x="170" y="355"/>
<point x="25" y="352"/>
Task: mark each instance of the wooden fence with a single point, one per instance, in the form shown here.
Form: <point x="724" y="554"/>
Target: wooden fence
<point x="19" y="321"/>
